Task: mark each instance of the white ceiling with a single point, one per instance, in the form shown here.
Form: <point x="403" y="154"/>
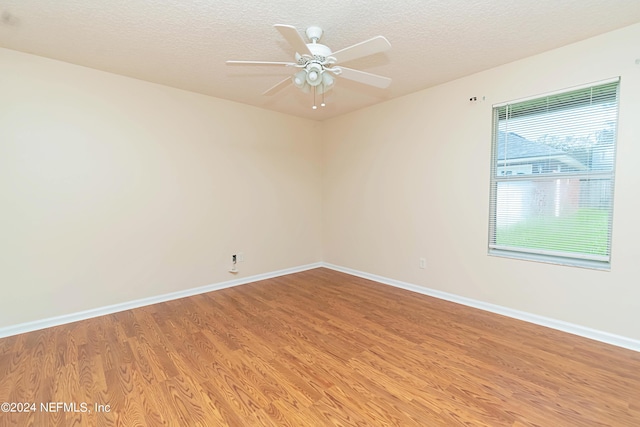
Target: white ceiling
<point x="184" y="43"/>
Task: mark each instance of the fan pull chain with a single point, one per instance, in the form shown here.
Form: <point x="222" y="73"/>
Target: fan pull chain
<point x="314" y="99"/>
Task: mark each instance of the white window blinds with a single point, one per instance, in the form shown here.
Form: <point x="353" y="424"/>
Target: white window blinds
<point x="552" y="176"/>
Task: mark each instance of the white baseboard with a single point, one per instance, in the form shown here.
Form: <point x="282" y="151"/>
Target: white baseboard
<point x="571" y="328"/>
<point x="101" y="311"/>
<point x="560" y="325"/>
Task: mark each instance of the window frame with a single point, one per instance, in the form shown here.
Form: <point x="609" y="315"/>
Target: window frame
<point x="600" y="262"/>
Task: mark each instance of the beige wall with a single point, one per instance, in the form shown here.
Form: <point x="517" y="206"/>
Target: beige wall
<point x="114" y="189"/>
<point x="410" y="178"/>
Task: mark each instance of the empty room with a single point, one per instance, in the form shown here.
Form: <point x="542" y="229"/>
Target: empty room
<point x="382" y="213"/>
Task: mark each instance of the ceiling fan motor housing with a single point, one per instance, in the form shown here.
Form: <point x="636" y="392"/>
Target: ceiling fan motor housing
<point x="319" y="50"/>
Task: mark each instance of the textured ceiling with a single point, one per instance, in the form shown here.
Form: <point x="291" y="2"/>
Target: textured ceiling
<point x="184" y="43"/>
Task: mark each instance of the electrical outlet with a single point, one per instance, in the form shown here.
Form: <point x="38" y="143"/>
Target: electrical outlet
<point x="422" y="263"/>
<point x="240" y="257"/>
<point x="233" y="269"/>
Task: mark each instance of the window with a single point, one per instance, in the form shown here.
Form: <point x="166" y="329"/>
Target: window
<point x="552" y="176"/>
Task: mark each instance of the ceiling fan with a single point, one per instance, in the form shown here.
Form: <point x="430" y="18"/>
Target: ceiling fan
<point x="316" y="66"/>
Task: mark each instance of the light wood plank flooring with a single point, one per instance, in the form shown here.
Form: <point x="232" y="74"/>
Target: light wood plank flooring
<point x="317" y="348"/>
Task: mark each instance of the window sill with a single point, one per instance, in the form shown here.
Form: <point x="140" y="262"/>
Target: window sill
<point x="552" y="259"/>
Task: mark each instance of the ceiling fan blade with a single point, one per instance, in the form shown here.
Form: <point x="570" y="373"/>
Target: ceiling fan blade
<point x="258" y="63"/>
<point x="365" y="48"/>
<point x="291" y="34"/>
<point x="277" y="88"/>
<point x="365" y="78"/>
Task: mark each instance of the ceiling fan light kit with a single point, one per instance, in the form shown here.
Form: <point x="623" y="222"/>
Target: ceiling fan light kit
<point x="317" y="64"/>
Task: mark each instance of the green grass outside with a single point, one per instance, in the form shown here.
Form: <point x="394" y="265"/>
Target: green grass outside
<point x="585" y="231"/>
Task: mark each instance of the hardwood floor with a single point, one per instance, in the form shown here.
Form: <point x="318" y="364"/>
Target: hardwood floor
<point x="318" y="348"/>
